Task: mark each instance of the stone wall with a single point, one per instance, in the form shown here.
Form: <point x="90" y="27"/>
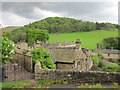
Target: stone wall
<point x="74" y="76"/>
<point x="77" y="76"/>
<point x="23" y="60"/>
<point x="108" y="56"/>
<point x="65" y="66"/>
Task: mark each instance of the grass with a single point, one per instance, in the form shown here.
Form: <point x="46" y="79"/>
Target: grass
<point x="88" y="39"/>
<point x="16" y="84"/>
<point x="98" y="85"/>
<point x="51" y="82"/>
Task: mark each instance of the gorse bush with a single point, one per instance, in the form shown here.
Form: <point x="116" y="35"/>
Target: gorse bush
<point x="95" y="60"/>
<point x="111" y="68"/>
<point x="42" y="55"/>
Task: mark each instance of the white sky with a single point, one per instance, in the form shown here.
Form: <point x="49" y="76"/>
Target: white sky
<point x="21" y="13"/>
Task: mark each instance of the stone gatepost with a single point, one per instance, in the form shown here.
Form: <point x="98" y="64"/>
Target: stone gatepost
<point x="37" y="69"/>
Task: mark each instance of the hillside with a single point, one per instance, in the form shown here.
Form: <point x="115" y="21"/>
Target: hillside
<point x="10" y="28"/>
<point x="88" y="39"/>
<point x="68" y="25"/>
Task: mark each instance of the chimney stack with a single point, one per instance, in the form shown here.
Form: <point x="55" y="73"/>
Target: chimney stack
<point x="78" y="43"/>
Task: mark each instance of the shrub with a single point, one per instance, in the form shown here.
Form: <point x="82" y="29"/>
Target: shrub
<point x="117" y="61"/>
<point x="42" y="55"/>
<point x="97" y="85"/>
<point x="90" y="86"/>
<point x="111" y="68"/>
<point x="7" y="49"/>
<point x="101" y="56"/>
<point x="95" y="60"/>
<point x="51" y="82"/>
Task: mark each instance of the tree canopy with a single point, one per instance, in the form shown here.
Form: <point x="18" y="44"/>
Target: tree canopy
<point x="109" y="43"/>
<point x="36" y="34"/>
<point x="42" y="55"/>
<point x="27" y="35"/>
<point x="66" y="25"/>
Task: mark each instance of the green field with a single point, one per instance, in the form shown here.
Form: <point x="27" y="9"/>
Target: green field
<point x="88" y="39"/>
<point x="9" y="28"/>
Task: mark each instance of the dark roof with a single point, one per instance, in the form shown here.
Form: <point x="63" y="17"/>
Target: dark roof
<point x="63" y="55"/>
<point x="107" y="51"/>
<point x="85" y="49"/>
<point x="65" y="62"/>
<point x="67" y="43"/>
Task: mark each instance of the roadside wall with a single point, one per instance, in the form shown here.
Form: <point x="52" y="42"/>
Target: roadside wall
<point x="73" y="76"/>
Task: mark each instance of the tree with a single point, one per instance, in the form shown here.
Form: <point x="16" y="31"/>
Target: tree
<point x="109" y="43"/>
<point x="42" y="55"/>
<point x="7" y="49"/>
<point x="37" y="34"/>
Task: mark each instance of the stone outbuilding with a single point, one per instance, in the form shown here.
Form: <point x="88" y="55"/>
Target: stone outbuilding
<point x="108" y="53"/>
<point x="72" y="57"/>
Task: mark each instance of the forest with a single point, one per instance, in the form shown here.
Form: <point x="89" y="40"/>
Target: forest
<point x="68" y="25"/>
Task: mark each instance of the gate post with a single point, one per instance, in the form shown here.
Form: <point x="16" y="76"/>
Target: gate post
<point x="37" y="69"/>
<point x="15" y="71"/>
<point x="2" y="77"/>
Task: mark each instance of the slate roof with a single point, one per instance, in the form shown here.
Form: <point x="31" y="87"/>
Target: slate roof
<point x="107" y="51"/>
<point x="85" y="49"/>
<point x="67" y="43"/>
<point x="64" y="55"/>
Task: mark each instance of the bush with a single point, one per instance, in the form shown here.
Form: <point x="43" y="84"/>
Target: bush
<point x="7" y="49"/>
<point x="42" y="55"/>
<point x="51" y="82"/>
<point x="111" y="68"/>
<point x="95" y="60"/>
<point x="117" y="61"/>
<point x="101" y="56"/>
<point x="98" y="85"/>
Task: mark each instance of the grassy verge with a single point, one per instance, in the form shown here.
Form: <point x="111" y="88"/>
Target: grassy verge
<point x="16" y="84"/>
<point x="51" y="82"/>
<point x="98" y="85"/>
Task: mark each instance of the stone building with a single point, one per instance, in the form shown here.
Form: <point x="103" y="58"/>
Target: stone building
<point x="21" y="47"/>
<point x="108" y="53"/>
<point x="72" y="57"/>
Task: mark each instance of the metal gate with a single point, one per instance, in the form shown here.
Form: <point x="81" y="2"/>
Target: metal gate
<point x="14" y="72"/>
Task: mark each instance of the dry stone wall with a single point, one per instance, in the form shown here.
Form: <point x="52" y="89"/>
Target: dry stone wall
<point x="77" y="76"/>
<point x="74" y="76"/>
<point x="24" y="61"/>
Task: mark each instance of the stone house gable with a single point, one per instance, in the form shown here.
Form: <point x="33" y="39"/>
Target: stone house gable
<point x="72" y="58"/>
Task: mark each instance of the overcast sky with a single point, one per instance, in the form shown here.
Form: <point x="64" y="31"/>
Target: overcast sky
<point x="21" y="13"/>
